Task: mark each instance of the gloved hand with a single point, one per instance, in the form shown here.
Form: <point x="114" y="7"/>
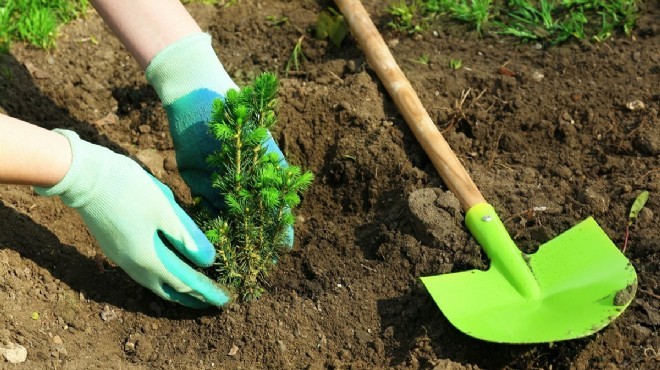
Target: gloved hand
<point x="188" y="76"/>
<point x="133" y="216"/>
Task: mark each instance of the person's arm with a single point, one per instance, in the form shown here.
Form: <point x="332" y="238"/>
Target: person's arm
<point x="132" y="215"/>
<point x="146" y="27"/>
<point x="184" y="69"/>
<point x="31" y="155"/>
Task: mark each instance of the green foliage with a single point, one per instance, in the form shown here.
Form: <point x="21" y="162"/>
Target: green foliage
<point x="331" y="25"/>
<point x="275" y="21"/>
<point x="472" y="11"/>
<point x="551" y="21"/>
<point x="36" y="21"/>
<point x="407" y="17"/>
<point x="455" y="64"/>
<point x="637" y="206"/>
<point x="260" y="191"/>
<point x="423" y="59"/>
<point x="297" y="56"/>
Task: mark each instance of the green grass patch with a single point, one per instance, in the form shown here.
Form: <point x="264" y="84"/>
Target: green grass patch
<point x="549" y="21"/>
<point x="407" y="16"/>
<point x="36" y="21"/>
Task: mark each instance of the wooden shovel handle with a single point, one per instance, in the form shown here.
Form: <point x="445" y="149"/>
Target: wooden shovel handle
<point x="381" y="60"/>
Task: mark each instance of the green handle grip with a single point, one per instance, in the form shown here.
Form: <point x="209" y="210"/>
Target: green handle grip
<point x="486" y="226"/>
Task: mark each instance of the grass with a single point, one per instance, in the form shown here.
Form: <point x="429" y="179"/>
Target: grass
<point x="331" y="25"/>
<point x="407" y="16"/>
<point x="636" y="207"/>
<point x="424" y="59"/>
<point x="455" y="64"/>
<point x="277" y="21"/>
<point x="549" y="21"/>
<point x="296" y="58"/>
<point x="36" y="21"/>
<point x="475" y="12"/>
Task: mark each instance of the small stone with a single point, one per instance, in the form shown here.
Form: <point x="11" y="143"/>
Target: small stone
<point x="598" y="202"/>
<point x="132" y="342"/>
<point x="538" y="76"/>
<point x="144" y="129"/>
<point x="145" y="350"/>
<point x="566" y="118"/>
<point x="34" y="71"/>
<point x="108" y="314"/>
<point x="233" y="350"/>
<point x="635" y="105"/>
<point x="57" y="340"/>
<point x="170" y="162"/>
<point x="4" y="336"/>
<point x="645" y="215"/>
<point x="393" y="43"/>
<point x="14" y="353"/>
<point x="647" y="143"/>
<point x="109" y="119"/>
<point x="153" y="160"/>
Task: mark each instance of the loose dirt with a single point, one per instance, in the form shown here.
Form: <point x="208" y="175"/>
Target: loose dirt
<point x="554" y="130"/>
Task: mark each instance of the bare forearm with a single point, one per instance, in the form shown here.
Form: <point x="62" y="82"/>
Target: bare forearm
<point x="145" y="27"/>
<point x="31" y="155"/>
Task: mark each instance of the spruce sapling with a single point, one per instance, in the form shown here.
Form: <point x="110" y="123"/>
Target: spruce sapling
<point x="259" y="189"/>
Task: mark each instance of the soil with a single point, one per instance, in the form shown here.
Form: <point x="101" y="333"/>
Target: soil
<point x="548" y="134"/>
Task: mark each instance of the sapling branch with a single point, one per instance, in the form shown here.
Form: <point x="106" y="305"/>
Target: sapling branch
<point x="259" y="188"/>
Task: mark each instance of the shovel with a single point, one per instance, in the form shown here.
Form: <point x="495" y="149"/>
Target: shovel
<point x="573" y="286"/>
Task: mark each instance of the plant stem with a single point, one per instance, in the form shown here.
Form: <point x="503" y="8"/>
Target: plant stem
<point x="625" y="240"/>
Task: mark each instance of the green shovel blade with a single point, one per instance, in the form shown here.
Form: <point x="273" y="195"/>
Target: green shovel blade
<point x="573" y="286"/>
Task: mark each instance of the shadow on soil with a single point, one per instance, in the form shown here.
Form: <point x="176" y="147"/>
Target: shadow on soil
<point x="414" y="325"/>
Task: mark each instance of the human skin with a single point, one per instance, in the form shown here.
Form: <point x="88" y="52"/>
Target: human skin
<point x="146" y="27"/>
<point x="31" y="155"/>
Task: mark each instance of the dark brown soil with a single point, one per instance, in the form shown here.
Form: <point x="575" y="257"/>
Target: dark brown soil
<point x="557" y="134"/>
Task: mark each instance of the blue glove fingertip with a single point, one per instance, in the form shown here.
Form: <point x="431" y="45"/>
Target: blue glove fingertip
<point x="201" y="252"/>
<point x="202" y="288"/>
<point x="183" y="298"/>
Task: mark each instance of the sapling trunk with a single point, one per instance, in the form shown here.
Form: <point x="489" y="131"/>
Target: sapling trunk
<point x="259" y="188"/>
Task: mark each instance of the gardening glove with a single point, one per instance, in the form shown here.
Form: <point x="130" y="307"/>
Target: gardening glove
<point x="134" y="218"/>
<point x="188" y="76"/>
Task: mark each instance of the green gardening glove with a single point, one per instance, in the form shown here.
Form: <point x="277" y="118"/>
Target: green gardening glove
<point x="188" y="76"/>
<point x="134" y="218"/>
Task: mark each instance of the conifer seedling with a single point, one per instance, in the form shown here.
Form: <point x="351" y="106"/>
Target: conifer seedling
<point x="259" y="188"/>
